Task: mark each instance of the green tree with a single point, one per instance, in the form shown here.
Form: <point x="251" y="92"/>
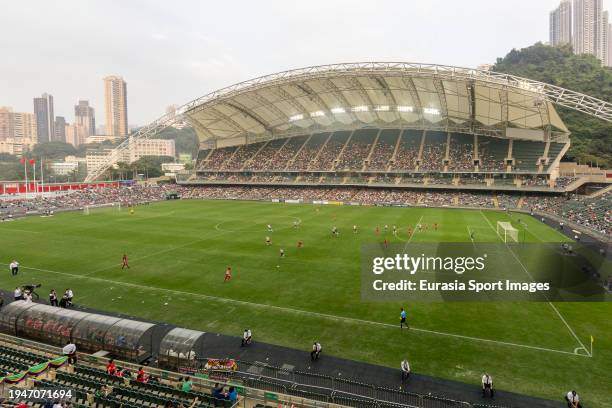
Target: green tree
<point x="185" y="140"/>
<point x="53" y="150"/>
<point x="591" y="137"/>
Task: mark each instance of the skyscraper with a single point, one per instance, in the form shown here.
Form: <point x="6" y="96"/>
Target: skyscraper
<point x="115" y="100"/>
<point x="60" y="131"/>
<point x="605" y="39"/>
<point x="561" y="24"/>
<point x="609" y="45"/>
<point x="84" y="116"/>
<point x="590" y="31"/>
<point x="45" y="119"/>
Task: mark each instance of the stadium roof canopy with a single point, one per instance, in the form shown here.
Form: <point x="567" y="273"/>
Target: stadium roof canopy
<point x="378" y="94"/>
<point x="348" y="96"/>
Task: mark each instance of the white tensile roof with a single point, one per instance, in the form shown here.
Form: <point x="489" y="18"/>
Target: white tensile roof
<point x="350" y="96"/>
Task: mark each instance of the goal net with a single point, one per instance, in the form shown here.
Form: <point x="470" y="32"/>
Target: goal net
<point x="109" y="206"/>
<point x="507" y="232"/>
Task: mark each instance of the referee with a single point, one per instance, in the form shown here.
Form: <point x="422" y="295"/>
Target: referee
<point x="403" y="318"/>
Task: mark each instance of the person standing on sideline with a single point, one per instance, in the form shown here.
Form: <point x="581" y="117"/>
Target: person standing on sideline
<point x="125" y="263"/>
<point x="316" y="351"/>
<point x="53" y="298"/>
<point x="69" y="296"/>
<point x="405" y="369"/>
<point x="573" y="400"/>
<point x="246" y="337"/>
<point x="403" y="318"/>
<point x="487" y="384"/>
<point x="69" y="350"/>
<point x="17" y="295"/>
<point x="14" y="267"/>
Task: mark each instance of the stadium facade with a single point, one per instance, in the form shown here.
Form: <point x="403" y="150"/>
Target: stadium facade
<point x="381" y="124"/>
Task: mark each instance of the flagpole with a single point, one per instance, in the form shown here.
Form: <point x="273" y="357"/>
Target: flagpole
<point x="42" y="177"/>
<point x="25" y="170"/>
<point x="35" y="187"/>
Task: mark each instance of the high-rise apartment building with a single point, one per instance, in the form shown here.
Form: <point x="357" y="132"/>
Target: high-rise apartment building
<point x="561" y="24"/>
<point x="45" y="119"/>
<point x="590" y="26"/>
<point x="84" y="116"/>
<point x="60" y="129"/>
<point x="115" y="101"/>
<point x="17" y="131"/>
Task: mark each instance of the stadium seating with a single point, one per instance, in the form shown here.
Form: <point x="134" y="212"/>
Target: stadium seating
<point x="526" y="155"/>
<point x="357" y="150"/>
<point x="303" y="157"/>
<point x="330" y="151"/>
<point x="461" y="153"/>
<point x="383" y="151"/>
<point x="407" y="151"/>
<point x="434" y="151"/>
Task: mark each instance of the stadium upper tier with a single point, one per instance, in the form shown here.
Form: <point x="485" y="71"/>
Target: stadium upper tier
<point x="346" y="97"/>
<point x="369" y="153"/>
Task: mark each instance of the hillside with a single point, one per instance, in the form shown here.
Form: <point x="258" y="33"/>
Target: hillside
<point x="591" y="137"/>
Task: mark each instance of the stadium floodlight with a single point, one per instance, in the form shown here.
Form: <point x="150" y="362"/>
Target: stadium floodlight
<point x="382" y="108"/>
<point x="361" y="108"/>
<point x="431" y="111"/>
<point x="338" y="110"/>
<point x="317" y="114"/>
<point x="296" y="117"/>
<point x="404" y="108"/>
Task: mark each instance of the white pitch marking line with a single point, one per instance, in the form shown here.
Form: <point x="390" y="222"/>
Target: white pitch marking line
<point x="533" y="280"/>
<point x="308" y="313"/>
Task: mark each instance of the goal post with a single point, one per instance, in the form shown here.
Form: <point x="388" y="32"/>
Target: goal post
<point x="507" y="232"/>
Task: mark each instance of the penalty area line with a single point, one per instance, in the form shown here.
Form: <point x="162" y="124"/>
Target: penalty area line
<point x="313" y="314"/>
<point x="572" y="332"/>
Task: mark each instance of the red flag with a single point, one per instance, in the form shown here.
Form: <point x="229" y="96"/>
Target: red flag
<point x="32" y="161"/>
<point x="23" y="160"/>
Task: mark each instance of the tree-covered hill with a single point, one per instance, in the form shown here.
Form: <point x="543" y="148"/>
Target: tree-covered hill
<point x="591" y="137"/>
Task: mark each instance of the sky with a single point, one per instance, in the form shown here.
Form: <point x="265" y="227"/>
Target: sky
<point x="170" y="52"/>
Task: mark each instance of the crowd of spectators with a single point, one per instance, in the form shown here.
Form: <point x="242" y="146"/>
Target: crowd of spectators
<point x="354" y="155"/>
<point x="432" y="158"/>
<point x="594" y="213"/>
<point x="461" y="157"/>
<point x="379" y="160"/>
<point x="406" y="156"/>
<point x="242" y="156"/>
<point x="327" y="155"/>
<point x="217" y="158"/>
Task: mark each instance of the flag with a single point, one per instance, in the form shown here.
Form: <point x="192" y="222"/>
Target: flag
<point x="22" y="161"/>
<point x="32" y="161"/>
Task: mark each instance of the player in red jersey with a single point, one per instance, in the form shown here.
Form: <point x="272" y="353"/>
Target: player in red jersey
<point x="125" y="262"/>
<point x="228" y="274"/>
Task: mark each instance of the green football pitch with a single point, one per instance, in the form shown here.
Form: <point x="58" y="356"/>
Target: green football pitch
<point x="179" y="250"/>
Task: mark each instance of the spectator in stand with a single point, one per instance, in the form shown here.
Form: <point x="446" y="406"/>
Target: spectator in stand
<point x="186" y="385"/>
<point x="70" y="351"/>
<point x="111" y="368"/>
<point x="232" y="394"/>
<point x="141" y="376"/>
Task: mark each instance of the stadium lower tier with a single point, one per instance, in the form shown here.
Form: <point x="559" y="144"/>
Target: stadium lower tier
<point x="437" y="180"/>
<point x="594" y="214"/>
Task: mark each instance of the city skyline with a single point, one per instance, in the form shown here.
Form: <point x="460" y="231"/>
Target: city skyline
<point x="171" y="55"/>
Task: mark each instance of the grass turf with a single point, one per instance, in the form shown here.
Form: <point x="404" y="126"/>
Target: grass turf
<point x="179" y="251"/>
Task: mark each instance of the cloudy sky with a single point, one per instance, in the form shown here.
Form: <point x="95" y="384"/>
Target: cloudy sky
<point x="172" y="51"/>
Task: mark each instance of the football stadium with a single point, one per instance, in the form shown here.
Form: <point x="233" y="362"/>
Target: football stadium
<point x="277" y="272"/>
